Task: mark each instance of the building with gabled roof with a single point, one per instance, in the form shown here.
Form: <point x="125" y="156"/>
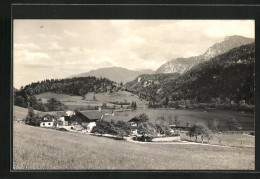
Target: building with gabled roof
<point x="47" y="120"/>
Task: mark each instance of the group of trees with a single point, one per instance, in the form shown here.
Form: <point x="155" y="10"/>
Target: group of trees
<point x="119" y="128"/>
<point x="32" y="118"/>
<point x="200" y="129"/>
<point x="133" y="105"/>
<point x="79" y="86"/>
<point x="22" y="99"/>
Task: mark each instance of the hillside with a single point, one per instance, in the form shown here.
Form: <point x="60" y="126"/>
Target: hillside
<point x="20" y="113"/>
<point x="181" y="65"/>
<point x="117" y="74"/>
<point x="230" y="75"/>
<point x="74" y="151"/>
<point x="145" y="80"/>
<point x="76" y="102"/>
<point x="73" y="86"/>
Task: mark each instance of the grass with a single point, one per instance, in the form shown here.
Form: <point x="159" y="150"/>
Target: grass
<point x="238" y="140"/>
<point x="77" y="102"/>
<point x="19" y="113"/>
<point x="47" y="149"/>
<point x="246" y="119"/>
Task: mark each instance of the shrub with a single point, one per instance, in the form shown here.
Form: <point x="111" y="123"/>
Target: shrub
<point x="119" y="128"/>
<point x="252" y="133"/>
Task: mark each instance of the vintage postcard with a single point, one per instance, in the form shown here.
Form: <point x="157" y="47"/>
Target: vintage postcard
<point x="133" y="94"/>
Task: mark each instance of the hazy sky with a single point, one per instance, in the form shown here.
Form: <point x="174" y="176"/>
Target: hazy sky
<point x="45" y="49"/>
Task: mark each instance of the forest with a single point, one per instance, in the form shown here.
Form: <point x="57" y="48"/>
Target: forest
<point x="80" y="86"/>
<point x="226" y="80"/>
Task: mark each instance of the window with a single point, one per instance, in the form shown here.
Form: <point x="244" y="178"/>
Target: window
<point x="43" y="124"/>
<point x="49" y="123"/>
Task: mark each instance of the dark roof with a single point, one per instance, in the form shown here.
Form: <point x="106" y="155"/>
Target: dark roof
<point x="83" y="117"/>
<point x="134" y="119"/>
<point x="92" y="114"/>
<point x="46" y="115"/>
<point x="116" y="118"/>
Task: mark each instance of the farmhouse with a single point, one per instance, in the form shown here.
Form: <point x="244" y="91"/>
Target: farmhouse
<point x="80" y="118"/>
<point x="47" y="121"/>
<point x="134" y="125"/>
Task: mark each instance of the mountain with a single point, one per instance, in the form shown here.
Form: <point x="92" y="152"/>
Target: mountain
<point x="229" y="75"/>
<point x="117" y="74"/>
<point x="181" y="65"/>
<point x="144" y="80"/>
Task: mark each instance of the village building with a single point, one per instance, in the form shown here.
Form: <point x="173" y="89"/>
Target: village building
<point x="134" y="125"/>
<point x="85" y="119"/>
<point x="47" y="121"/>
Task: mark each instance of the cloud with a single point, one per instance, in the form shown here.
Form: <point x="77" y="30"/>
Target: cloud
<point x="67" y="47"/>
<point x="32" y="55"/>
<point x="28" y="46"/>
<point x="71" y="33"/>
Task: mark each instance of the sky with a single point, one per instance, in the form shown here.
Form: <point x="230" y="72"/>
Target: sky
<point x="47" y="49"/>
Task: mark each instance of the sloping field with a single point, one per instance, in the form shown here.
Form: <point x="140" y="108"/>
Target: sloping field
<point x="76" y="101"/>
<point x="19" y="113"/>
<point x="39" y="148"/>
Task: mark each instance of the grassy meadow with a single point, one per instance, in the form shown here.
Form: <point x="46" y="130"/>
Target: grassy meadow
<point x="74" y="102"/>
<point x="47" y="149"/>
<point x="245" y="119"/>
<point x="36" y="148"/>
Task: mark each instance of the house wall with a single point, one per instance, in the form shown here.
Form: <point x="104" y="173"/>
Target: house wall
<point x="134" y="131"/>
<point x="46" y="124"/>
<point x="90" y="126"/>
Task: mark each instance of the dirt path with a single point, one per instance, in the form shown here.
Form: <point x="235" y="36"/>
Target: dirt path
<point x="128" y="139"/>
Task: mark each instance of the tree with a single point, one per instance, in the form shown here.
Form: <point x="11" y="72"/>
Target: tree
<point x="143" y="117"/>
<point x="232" y="124"/>
<point x="55" y="105"/>
<point x="170" y="120"/>
<point x="82" y="93"/>
<point x="166" y="101"/>
<point x="30" y="116"/>
<point x="104" y="106"/>
<point x="151" y="93"/>
<point x="19" y="101"/>
<point x="33" y="101"/>
<point x="133" y="105"/>
<point x="40" y="106"/>
<point x="147" y="128"/>
<point x="199" y="129"/>
<point x="161" y="125"/>
<point x="94" y="98"/>
<point x="176" y="120"/>
<point x="215" y="124"/>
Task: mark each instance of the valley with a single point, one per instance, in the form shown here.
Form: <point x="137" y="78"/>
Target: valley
<point x="211" y="95"/>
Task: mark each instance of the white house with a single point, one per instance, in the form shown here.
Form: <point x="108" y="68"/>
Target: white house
<point x="90" y="126"/>
<point x="47" y="121"/>
<point x="46" y="124"/>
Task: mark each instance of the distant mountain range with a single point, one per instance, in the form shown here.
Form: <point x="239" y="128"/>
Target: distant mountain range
<point x="226" y="76"/>
<point x="181" y="65"/>
<point x="117" y="74"/>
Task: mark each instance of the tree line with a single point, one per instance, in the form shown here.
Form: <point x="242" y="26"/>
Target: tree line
<point x="80" y="86"/>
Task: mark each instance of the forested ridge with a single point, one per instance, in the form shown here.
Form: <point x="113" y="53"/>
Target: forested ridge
<point x="227" y="78"/>
<point x="79" y="86"/>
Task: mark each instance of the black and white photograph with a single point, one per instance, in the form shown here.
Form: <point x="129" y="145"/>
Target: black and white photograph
<point x="139" y="94"/>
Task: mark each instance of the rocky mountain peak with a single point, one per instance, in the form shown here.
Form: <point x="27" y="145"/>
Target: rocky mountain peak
<point x="182" y="65"/>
